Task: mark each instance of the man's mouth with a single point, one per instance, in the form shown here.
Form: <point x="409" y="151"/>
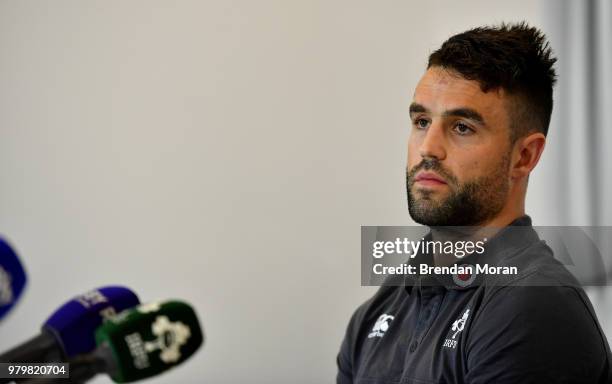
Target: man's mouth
<point x="429" y="179"/>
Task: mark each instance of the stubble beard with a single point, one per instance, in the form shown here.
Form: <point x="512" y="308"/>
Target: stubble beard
<point x="468" y="204"/>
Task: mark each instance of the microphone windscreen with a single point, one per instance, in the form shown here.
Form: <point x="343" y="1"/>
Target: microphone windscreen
<point x="74" y="324"/>
<point x="12" y="278"/>
<point x="150" y="339"/>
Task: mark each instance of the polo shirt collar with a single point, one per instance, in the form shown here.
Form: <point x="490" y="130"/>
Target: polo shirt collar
<point x="507" y="243"/>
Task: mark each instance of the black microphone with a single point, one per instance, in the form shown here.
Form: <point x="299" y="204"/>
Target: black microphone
<point x="70" y="330"/>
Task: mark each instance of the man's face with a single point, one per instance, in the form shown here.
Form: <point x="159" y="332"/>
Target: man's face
<point x="458" y="151"/>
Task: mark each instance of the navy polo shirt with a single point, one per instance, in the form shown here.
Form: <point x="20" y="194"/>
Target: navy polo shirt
<point x="537" y="326"/>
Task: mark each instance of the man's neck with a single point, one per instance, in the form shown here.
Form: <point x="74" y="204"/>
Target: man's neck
<point x="480" y="232"/>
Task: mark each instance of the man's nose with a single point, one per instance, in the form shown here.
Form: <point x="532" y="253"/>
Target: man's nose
<point x="433" y="144"/>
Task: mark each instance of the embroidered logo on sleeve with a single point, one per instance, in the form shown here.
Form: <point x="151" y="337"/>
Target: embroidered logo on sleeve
<point x="456" y="328"/>
<point x="381" y="326"/>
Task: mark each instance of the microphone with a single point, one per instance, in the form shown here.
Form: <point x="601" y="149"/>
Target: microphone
<point x="141" y="342"/>
<point x="70" y="330"/>
<point x="12" y="278"/>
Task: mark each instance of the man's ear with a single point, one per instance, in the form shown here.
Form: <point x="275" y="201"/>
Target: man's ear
<point x="526" y="154"/>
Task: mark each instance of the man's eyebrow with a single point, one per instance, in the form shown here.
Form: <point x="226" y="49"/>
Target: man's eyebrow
<point x="467" y="113"/>
<point x="417" y="108"/>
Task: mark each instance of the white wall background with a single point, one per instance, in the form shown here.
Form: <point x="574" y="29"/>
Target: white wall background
<point x="222" y="152"/>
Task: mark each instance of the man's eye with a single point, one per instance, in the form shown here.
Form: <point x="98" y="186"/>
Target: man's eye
<point x="463" y="129"/>
<point x="421" y="123"/>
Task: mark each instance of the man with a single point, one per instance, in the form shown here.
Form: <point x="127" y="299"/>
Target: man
<point x="480" y="116"/>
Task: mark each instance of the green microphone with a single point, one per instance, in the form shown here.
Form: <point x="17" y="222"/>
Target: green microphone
<point x="149" y="339"/>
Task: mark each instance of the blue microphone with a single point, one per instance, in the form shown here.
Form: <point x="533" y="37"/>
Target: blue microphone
<point x="70" y="330"/>
<point x="12" y="278"/>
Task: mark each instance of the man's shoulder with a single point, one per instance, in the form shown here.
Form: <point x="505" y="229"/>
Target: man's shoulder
<point x="549" y="322"/>
<point x="543" y="289"/>
<point x="535" y="265"/>
<point x="373" y="306"/>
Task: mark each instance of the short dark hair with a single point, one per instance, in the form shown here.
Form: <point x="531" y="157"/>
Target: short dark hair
<point x="514" y="57"/>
